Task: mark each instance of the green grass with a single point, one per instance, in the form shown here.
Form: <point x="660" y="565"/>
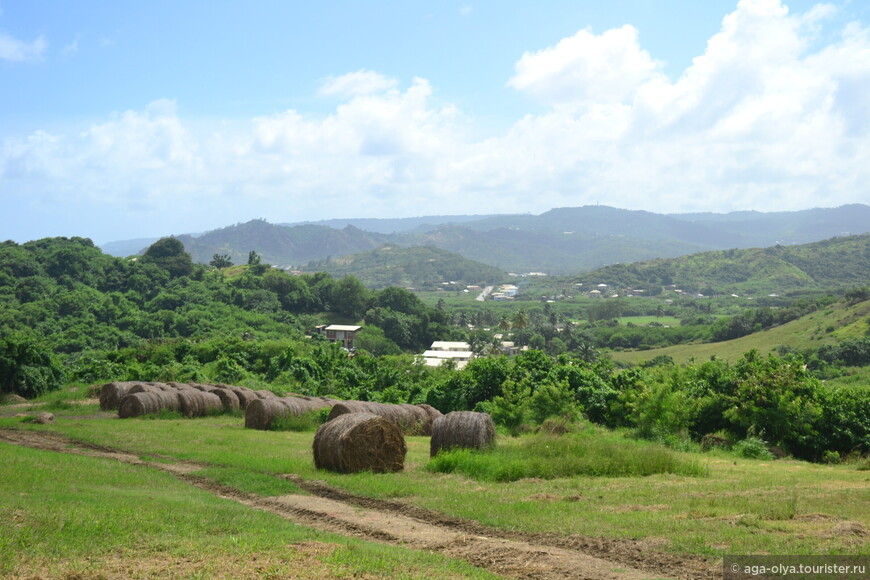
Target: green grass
<point x="741" y="506"/>
<point x="588" y="453"/>
<point x="827" y="326"/>
<point x="646" y="320"/>
<point x="102" y="514"/>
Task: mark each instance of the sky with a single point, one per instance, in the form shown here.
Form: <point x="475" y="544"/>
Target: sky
<point x="122" y="120"/>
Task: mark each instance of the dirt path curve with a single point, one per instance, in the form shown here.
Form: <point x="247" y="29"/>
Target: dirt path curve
<point x="514" y="555"/>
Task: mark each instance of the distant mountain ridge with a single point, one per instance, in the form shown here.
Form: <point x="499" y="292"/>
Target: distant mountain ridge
<point x="559" y="241"/>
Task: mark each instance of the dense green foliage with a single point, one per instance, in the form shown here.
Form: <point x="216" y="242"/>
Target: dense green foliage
<point x="835" y="263"/>
<point x="71" y="313"/>
<point x="161" y="316"/>
<point x="421" y="267"/>
<point x="560" y="241"/>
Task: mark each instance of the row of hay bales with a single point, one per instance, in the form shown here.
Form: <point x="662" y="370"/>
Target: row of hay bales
<point x="411" y="419"/>
<point x="357" y="436"/>
<point x="136" y="398"/>
<point x="364" y="441"/>
<point x="262" y="413"/>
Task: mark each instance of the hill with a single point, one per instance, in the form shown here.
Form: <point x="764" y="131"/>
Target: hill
<point x="418" y="267"/>
<point x="280" y="245"/>
<point x="830" y="264"/>
<point x="559" y="241"/>
<point x="828" y="326"/>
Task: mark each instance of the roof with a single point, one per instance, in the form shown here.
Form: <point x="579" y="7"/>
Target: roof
<point x="444" y="354"/>
<point x="446" y="345"/>
<point x="346" y="328"/>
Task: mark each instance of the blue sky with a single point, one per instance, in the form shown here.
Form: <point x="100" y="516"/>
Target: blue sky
<point x="134" y="119"/>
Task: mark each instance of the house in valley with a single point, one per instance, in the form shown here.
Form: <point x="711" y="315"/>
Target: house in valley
<point x="345" y="334"/>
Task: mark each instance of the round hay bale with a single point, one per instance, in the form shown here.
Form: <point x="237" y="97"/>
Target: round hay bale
<point x="266" y="394"/>
<point x="411" y="419"/>
<point x="261" y="413"/>
<point x="147" y="403"/>
<point x="245" y="396"/>
<point x="229" y="399"/>
<point x="112" y="393"/>
<point x="466" y="429"/>
<point x="359" y="442"/>
<point x="194" y="403"/>
<point x="148" y="387"/>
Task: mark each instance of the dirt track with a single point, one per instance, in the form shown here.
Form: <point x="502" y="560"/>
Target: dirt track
<point x="514" y="555"/>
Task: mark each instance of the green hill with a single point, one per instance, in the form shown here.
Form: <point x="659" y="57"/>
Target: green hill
<point x="829" y="326"/>
<point x="559" y="241"/>
<point x="418" y="267"/>
<point x="820" y="266"/>
<point x="279" y="245"/>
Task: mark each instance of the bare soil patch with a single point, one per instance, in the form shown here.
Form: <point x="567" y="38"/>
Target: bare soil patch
<point x="511" y="554"/>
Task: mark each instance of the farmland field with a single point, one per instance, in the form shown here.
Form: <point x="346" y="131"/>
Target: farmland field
<point x="214" y="500"/>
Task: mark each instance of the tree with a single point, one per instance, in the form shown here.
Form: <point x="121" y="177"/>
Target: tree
<point x="169" y="254"/>
<point x="28" y="368"/>
<point x="521" y="319"/>
<point x="253" y="258"/>
<point x="220" y="261"/>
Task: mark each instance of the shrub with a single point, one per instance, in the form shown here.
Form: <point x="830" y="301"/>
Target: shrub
<point x="27" y="368"/>
<point x="752" y="448"/>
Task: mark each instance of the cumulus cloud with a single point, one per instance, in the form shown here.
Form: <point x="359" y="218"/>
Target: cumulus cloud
<point x="16" y="50"/>
<point x="586" y="68"/>
<point x="756" y="121"/>
<point x="766" y="118"/>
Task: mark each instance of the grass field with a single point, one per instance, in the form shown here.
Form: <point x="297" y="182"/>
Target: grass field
<point x="827" y="326"/>
<point x="728" y="506"/>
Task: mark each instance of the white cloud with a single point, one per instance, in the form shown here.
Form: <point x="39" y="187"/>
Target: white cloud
<point x="766" y="118"/>
<point x="586" y="68"/>
<point x="361" y="82"/>
<point x="16" y="50"/>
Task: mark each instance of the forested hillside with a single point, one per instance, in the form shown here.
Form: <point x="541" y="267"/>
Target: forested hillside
<point x="279" y="245"/>
<point x="827" y="265"/>
<point x="65" y="300"/>
<point x="559" y="241"/>
<point x="421" y="267"/>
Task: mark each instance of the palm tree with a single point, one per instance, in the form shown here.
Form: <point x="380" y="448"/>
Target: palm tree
<point x="521" y="319"/>
<point x="504" y="324"/>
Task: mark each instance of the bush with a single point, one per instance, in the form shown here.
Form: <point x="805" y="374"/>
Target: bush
<point x="27" y="368"/>
<point x="752" y="448"/>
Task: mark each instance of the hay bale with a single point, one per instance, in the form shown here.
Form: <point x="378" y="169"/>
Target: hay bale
<point x="359" y="442"/>
<point x="147" y="403"/>
<point x="245" y="396"/>
<point x="266" y="394"/>
<point x="195" y="403"/>
<point x="411" y="419"/>
<point x="112" y="393"/>
<point x="261" y="413"/>
<point x="44" y="418"/>
<point x="229" y="399"/>
<point x="431" y="414"/>
<point x="149" y="387"/>
<point x="466" y="429"/>
<point x="12" y="399"/>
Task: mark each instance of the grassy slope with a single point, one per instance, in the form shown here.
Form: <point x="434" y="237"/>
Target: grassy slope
<point x="811" y="331"/>
<point x="743" y="506"/>
<point x="108" y="518"/>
